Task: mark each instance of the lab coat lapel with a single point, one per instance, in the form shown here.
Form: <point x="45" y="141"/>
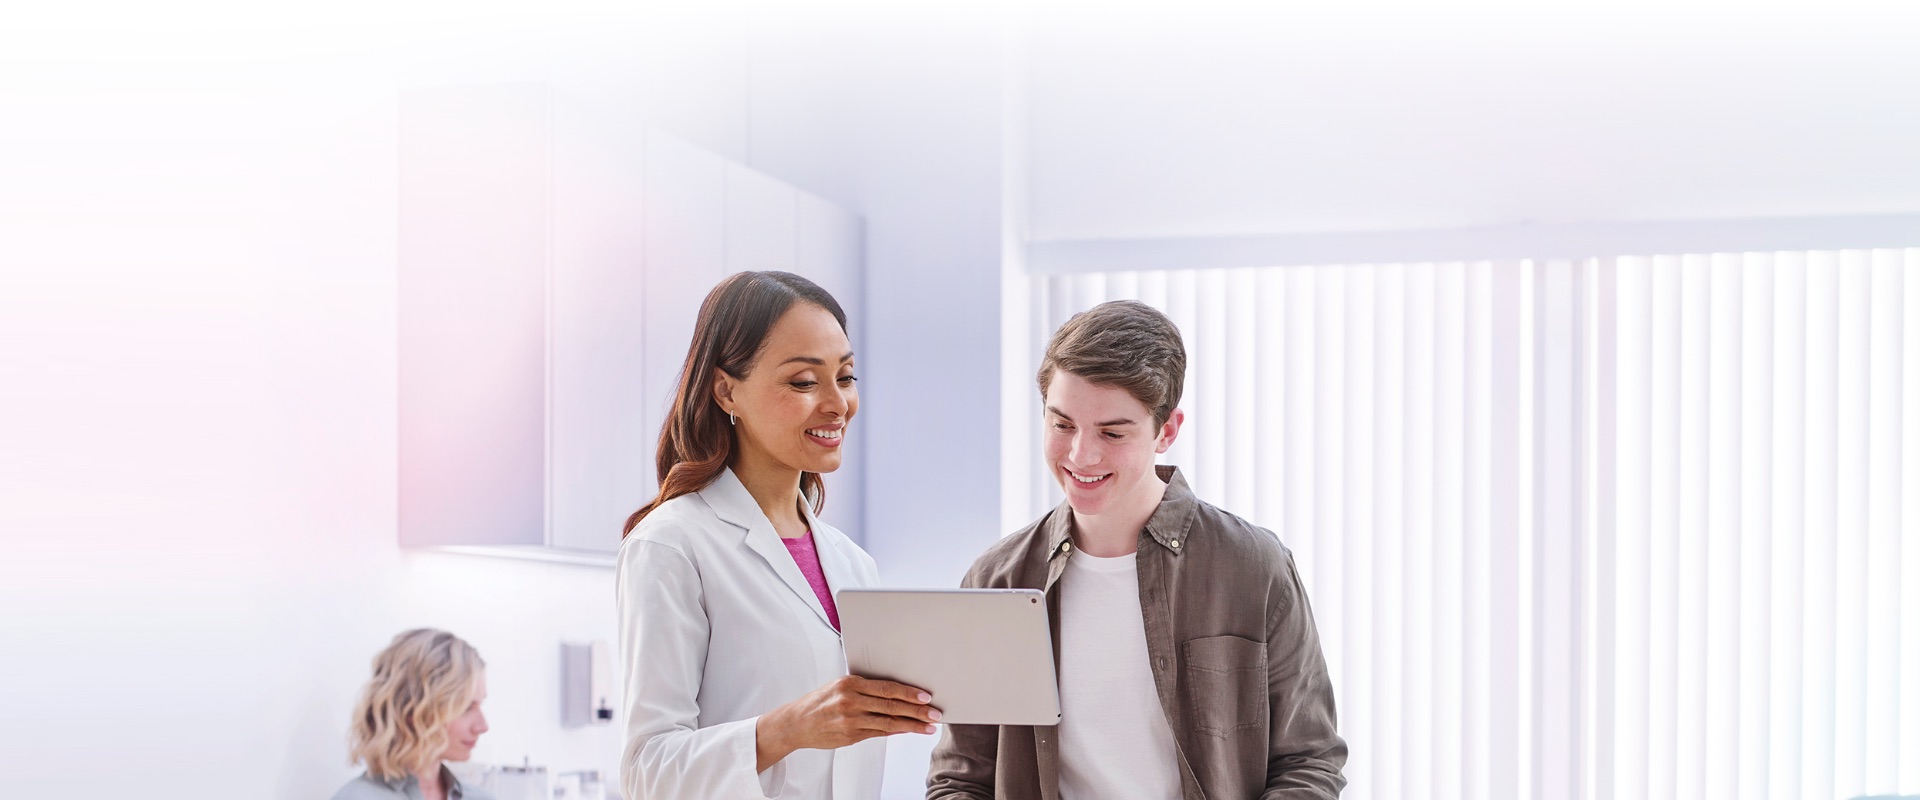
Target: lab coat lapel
<point x="835" y="562"/>
<point x="731" y="501"/>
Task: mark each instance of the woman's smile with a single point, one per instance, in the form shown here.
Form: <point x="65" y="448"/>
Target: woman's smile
<point x="827" y="435"/>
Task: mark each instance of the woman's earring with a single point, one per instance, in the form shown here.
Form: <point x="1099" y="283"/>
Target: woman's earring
<point x="731" y="420"/>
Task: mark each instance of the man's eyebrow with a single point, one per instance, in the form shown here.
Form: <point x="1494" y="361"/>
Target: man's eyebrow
<point x="1112" y="423"/>
<point x="815" y="361"/>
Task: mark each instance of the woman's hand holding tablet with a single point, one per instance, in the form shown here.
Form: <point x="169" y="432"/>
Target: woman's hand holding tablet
<point x="848" y="710"/>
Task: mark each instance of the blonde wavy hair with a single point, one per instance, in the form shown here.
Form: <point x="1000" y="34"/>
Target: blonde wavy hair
<point x="424" y="679"/>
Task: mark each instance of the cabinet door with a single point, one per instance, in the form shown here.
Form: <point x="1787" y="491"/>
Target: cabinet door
<point x="601" y="450"/>
<point x="686" y="254"/>
<point x="830" y="244"/>
<point x="762" y="222"/>
<point x="472" y="314"/>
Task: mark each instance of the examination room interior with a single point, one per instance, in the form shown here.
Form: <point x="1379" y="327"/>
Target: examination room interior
<point x="1565" y="345"/>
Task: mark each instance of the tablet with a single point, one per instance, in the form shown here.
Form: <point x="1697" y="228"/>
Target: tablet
<point x="986" y="655"/>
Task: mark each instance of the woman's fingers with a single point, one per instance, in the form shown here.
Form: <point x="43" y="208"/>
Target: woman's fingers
<point x="890" y="690"/>
<point x="887" y="725"/>
<point x="899" y="708"/>
<point x="897" y="699"/>
<point x="854" y="709"/>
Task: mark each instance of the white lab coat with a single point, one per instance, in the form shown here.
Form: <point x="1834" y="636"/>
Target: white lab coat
<point x="718" y="626"/>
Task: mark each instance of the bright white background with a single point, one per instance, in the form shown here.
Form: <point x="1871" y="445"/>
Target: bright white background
<point x="197" y="239"/>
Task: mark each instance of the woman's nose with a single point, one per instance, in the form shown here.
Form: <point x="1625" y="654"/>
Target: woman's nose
<point x="837" y="402"/>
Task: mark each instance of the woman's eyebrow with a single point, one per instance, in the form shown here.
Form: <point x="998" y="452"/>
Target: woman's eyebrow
<point x="818" y="362"/>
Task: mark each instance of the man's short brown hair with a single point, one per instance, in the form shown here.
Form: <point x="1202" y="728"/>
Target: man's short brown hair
<point x="1123" y="343"/>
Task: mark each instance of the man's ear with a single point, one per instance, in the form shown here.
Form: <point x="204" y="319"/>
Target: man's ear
<point x="1169" y="431"/>
<point x="723" y="390"/>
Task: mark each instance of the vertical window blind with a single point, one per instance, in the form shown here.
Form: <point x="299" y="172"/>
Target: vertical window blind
<point x="1608" y="528"/>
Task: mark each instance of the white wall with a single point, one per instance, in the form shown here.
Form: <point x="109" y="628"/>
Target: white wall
<point x="199" y="485"/>
<point x="1318" y="118"/>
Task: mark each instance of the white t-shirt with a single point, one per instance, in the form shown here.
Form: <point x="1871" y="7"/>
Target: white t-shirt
<point x="1114" y="739"/>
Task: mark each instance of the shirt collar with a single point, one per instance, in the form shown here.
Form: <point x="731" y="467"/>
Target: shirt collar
<point x="410" y="785"/>
<point x="731" y="501"/>
<point x="1168" y="525"/>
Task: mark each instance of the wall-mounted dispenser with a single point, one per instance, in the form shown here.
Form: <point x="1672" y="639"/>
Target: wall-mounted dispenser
<point x="586" y="685"/>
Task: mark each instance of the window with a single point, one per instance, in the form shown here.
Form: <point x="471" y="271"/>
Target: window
<point x="1624" y="527"/>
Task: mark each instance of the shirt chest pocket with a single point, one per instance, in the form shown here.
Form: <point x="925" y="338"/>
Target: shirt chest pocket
<point x="1226" y="684"/>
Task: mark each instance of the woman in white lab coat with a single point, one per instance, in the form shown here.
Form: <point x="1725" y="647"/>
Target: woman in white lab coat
<point x="736" y="682"/>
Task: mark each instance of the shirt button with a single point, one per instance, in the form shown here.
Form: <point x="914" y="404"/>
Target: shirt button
<point x="1066" y="547"/>
<point x="1175" y="543"/>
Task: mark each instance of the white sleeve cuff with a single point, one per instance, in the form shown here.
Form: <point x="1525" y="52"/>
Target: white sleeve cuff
<point x="773" y="782"/>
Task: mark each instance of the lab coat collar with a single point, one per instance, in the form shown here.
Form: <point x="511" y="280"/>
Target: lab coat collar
<point x="732" y="503"/>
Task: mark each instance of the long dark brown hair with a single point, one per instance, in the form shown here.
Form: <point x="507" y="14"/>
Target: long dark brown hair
<point x="696" y="442"/>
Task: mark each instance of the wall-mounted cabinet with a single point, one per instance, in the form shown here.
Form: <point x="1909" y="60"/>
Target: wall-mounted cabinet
<point x="551" y="267"/>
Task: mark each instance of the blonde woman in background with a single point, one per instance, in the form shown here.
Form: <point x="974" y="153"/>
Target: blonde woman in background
<point x="421" y="709"/>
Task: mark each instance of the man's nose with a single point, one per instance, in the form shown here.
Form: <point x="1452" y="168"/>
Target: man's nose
<point x="1083" y="451"/>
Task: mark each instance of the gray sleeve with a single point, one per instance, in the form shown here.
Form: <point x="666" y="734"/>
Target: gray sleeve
<point x="1307" y="753"/>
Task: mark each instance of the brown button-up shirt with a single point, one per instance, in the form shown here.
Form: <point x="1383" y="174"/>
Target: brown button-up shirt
<point x="1235" y="658"/>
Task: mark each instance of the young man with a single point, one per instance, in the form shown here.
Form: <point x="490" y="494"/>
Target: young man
<point x="1189" y="664"/>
